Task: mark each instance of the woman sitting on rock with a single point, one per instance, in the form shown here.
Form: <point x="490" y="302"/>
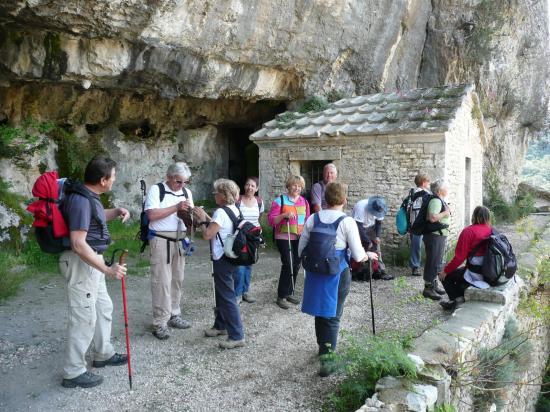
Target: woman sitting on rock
<point x="228" y="314"/>
<point x="324" y="295"/>
<point x="287" y="215"/>
<point x="455" y="280"/>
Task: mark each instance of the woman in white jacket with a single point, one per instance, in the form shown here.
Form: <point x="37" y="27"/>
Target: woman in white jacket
<point x="324" y="295"/>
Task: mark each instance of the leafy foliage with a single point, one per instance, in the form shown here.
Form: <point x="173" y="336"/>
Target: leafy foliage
<point x="537" y="162"/>
<point x="18" y="143"/>
<point x="365" y="361"/>
<point x="502" y="210"/>
<point x="314" y="104"/>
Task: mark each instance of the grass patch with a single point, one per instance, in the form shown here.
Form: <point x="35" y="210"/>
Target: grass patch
<point x="19" y="265"/>
<point x="366" y="360"/>
<point x="124" y="236"/>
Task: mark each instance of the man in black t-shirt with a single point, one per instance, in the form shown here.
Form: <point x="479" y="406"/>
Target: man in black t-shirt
<point x="89" y="303"/>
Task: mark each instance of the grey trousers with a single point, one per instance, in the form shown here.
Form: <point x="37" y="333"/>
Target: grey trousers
<point x="435" y="256"/>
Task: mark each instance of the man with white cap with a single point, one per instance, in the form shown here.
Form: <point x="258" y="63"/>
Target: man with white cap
<point x="369" y="213"/>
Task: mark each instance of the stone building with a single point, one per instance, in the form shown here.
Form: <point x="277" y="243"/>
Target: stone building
<point x="379" y="142"/>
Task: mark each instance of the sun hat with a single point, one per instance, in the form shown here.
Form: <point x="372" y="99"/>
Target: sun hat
<point x="376" y="206"/>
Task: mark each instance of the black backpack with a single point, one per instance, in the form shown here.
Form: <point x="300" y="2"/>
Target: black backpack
<point x="143" y="233"/>
<point x="499" y="262"/>
<point x="244" y="242"/>
<point x="319" y="255"/>
<point x="44" y="235"/>
<point x="421" y="225"/>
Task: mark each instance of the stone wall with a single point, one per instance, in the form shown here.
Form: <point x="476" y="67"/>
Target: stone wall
<point x="464" y="140"/>
<point x="383" y="165"/>
<point x="479" y="323"/>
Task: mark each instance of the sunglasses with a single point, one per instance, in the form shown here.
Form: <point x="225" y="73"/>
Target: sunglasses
<point x="181" y="181"/>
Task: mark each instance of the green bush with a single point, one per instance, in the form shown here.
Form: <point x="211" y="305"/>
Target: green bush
<point x="314" y="104"/>
<point x="497" y="367"/>
<point x="365" y="361"/>
<point x="503" y="211"/>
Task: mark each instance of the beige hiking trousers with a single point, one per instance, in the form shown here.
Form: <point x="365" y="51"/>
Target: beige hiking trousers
<point x="166" y="279"/>
<point x="90" y="314"/>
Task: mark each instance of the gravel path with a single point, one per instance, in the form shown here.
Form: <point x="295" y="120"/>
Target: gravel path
<point x="277" y="370"/>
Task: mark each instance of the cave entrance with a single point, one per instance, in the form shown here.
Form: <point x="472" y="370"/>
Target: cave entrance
<point x="243" y="155"/>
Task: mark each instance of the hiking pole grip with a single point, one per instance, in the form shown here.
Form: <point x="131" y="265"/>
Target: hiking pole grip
<point x="122" y="261"/>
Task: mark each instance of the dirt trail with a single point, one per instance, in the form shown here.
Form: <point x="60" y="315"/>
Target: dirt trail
<point x="277" y="370"/>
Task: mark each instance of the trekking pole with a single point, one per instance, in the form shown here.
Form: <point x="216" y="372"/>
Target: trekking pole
<point x="122" y="261"/>
<point x="371" y="303"/>
<point x="213" y="282"/>
<point x="290" y="256"/>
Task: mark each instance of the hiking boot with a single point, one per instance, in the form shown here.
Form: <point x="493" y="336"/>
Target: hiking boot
<point x="439" y="289"/>
<point x="115" y="360"/>
<point x="328" y="367"/>
<point x="213" y="332"/>
<point x="416" y="272"/>
<point x="247" y="297"/>
<point x="283" y="304"/>
<point x="293" y="300"/>
<point x="430" y="293"/>
<point x="382" y="275"/>
<point x="178" y="322"/>
<point x="239" y="299"/>
<point x="451" y="304"/>
<point x="161" y="332"/>
<point x="231" y="344"/>
<point x="86" y="380"/>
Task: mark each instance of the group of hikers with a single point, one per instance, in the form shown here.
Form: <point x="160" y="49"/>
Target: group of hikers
<point x="300" y="236"/>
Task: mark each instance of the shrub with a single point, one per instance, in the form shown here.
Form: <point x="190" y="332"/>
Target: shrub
<point x="365" y="361"/>
<point x="503" y="211"/>
<point x="497" y="367"/>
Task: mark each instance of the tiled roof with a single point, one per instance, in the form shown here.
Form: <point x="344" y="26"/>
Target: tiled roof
<point x="410" y="111"/>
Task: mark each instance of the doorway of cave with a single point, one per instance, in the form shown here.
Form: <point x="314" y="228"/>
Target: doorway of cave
<point x="243" y="155"/>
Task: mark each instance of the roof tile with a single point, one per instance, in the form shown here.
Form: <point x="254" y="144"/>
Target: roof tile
<point x="401" y="111"/>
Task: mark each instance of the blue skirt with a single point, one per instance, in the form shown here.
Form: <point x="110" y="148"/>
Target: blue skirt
<point x="321" y="292"/>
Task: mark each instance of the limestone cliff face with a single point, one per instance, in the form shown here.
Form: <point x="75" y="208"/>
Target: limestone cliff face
<point x="503" y="47"/>
<point x="114" y="68"/>
<point x="210" y="49"/>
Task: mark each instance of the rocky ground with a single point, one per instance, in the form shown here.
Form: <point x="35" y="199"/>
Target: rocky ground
<point x="277" y="370"/>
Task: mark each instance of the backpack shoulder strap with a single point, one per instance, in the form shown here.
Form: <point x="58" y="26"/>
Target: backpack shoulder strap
<point x="232" y="216"/>
<point x="162" y="191"/>
<point x="336" y="223"/>
<point x="78" y="188"/>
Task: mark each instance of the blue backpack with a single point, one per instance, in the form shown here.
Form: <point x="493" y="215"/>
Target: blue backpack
<point x="320" y="255"/>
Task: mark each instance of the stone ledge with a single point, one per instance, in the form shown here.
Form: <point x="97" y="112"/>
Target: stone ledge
<point x="480" y="319"/>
